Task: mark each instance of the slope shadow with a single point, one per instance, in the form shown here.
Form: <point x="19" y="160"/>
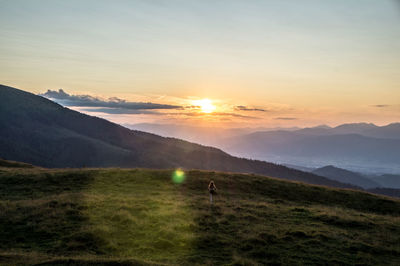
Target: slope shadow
<point x="43" y="211"/>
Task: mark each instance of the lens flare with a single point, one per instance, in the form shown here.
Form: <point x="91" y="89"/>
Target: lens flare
<point x="178" y="176"/>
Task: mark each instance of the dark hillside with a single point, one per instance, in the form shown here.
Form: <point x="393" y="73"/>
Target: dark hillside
<point x="387" y="180"/>
<point x="345" y="176"/>
<point x="11" y="164"/>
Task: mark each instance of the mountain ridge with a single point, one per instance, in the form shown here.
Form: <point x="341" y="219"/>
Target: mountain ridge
<point x="300" y="147"/>
<point x="345" y="176"/>
<point x="38" y="131"/>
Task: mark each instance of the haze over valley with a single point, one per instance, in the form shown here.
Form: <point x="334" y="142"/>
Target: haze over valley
<point x="359" y="146"/>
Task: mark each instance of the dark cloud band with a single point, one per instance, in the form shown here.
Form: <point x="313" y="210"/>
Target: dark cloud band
<point x="66" y="99"/>
<point x="285" y="118"/>
<point x="380" y="105"/>
<point x="120" y="111"/>
<point x="245" y="108"/>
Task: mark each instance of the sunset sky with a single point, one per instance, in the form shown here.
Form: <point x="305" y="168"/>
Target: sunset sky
<point x="226" y="63"/>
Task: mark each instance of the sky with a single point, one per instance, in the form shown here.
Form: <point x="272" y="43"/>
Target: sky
<point x="253" y="63"/>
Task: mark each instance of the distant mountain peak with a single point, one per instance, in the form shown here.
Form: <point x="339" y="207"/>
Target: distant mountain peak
<point x="396" y="124"/>
<point x="330" y="167"/>
<point x="323" y="126"/>
<point x="357" y="125"/>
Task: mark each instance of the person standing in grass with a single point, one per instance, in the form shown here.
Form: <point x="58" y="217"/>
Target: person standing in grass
<point x="212" y="189"/>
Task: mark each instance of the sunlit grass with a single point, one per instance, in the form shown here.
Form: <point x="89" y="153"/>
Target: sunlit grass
<point x="140" y="216"/>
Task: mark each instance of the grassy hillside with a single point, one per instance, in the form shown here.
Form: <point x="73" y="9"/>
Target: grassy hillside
<point x="141" y="217"/>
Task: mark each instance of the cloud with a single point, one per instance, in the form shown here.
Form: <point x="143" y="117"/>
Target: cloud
<point x="245" y="108"/>
<point x="237" y="115"/>
<point x="66" y="99"/>
<point x="380" y="105"/>
<point x="117" y="106"/>
<point x="119" y="111"/>
<point x="285" y="118"/>
<point x="198" y="114"/>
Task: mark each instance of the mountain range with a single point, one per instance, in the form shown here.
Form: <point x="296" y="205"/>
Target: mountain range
<point x="205" y="135"/>
<point x="36" y="130"/>
<point x="390" y="131"/>
<point x="360" y="147"/>
<point x="343" y="146"/>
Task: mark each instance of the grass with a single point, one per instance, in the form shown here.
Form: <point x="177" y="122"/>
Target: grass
<point x="141" y="217"/>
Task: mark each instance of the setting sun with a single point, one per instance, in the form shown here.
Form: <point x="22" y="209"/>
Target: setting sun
<point x="205" y="105"/>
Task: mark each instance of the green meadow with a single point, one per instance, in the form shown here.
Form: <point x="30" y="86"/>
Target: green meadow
<point x="143" y="217"/>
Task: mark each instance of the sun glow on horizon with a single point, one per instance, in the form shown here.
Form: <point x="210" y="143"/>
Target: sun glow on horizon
<point x="206" y="105"/>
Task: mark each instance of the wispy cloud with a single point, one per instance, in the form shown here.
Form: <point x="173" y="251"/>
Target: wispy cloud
<point x="246" y="108"/>
<point x="214" y="114"/>
<point x="380" y="105"/>
<point x="191" y="107"/>
<point x="118" y="104"/>
<point x="285" y="118"/>
<point x="119" y="111"/>
<point x="237" y="115"/>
